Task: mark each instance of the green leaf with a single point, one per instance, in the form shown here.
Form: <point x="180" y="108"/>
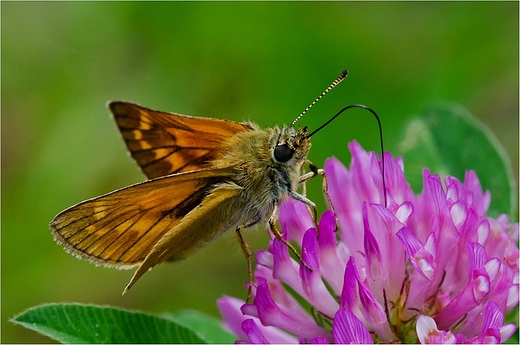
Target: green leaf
<point x="204" y="326"/>
<point x="448" y="140"/>
<point x="79" y="323"/>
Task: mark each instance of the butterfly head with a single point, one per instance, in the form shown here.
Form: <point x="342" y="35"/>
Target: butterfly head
<point x="293" y="145"/>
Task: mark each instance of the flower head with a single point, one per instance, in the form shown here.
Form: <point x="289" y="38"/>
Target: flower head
<point x="429" y="268"/>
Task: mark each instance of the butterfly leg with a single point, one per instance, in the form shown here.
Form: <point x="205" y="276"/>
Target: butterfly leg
<point x="325" y="188"/>
<point x="279" y="236"/>
<point x="247" y="252"/>
<point x="313" y="173"/>
<point x="307" y="176"/>
<point x="309" y="203"/>
<point x="303" y="179"/>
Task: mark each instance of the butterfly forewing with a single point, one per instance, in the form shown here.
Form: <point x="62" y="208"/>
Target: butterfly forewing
<point x="165" y="143"/>
<point x="121" y="228"/>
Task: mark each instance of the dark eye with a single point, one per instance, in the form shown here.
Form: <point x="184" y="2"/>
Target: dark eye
<point x="282" y="153"/>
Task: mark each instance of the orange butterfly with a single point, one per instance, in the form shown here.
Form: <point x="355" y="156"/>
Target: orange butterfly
<point x="205" y="176"/>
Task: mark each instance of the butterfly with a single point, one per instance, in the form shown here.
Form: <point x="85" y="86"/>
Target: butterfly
<point x="205" y="176"/>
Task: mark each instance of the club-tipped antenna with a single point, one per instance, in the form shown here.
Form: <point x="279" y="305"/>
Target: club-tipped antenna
<point x="338" y="80"/>
<point x="362" y="106"/>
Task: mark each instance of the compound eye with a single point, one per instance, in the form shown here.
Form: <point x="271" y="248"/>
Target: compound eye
<point x="282" y="153"/>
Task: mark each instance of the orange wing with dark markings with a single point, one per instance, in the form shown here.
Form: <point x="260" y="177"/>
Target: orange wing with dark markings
<point x="119" y="229"/>
<point x="165" y="143"/>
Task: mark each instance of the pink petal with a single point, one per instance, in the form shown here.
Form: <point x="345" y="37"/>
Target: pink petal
<point x="313" y="285"/>
<point x="271" y="314"/>
<point x="349" y="297"/>
<point x="230" y="310"/>
<point x="428" y="333"/>
<point x="347" y="329"/>
<point x="331" y="262"/>
<point x="284" y="267"/>
<point x="295" y="219"/>
<point x="319" y="340"/>
<point x="253" y="333"/>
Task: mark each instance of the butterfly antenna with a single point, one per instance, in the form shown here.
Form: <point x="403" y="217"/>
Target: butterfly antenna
<point x="380" y="136"/>
<point x="338" y="80"/>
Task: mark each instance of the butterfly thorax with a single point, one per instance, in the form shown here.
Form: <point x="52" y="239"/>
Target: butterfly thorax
<point x="263" y="178"/>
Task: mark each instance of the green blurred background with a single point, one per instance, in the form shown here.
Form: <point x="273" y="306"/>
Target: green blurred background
<point x="61" y="63"/>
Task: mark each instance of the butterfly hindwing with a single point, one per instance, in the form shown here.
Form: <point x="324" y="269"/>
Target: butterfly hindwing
<point x="215" y="214"/>
<point x="166" y="143"/>
<point x="121" y="228"/>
